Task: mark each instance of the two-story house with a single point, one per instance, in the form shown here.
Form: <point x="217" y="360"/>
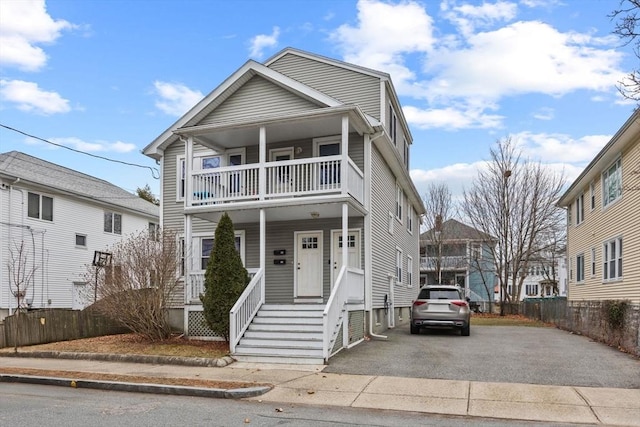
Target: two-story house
<point x="603" y="221"/>
<point x="453" y="253"/>
<point x="52" y="220"/>
<point x="544" y="277"/>
<point x="309" y="156"/>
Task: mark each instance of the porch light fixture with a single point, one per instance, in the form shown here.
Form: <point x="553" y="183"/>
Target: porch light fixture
<point x="315" y="215"/>
<point x="298" y="150"/>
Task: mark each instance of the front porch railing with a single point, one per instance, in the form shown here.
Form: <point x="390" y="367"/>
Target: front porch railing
<point x="195" y="284"/>
<point x="290" y="178"/>
<point x="332" y="312"/>
<point x="446" y="263"/>
<point x="244" y="310"/>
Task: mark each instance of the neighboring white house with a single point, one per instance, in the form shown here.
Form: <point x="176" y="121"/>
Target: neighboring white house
<point x="59" y="217"/>
<point x="545" y="277"/>
<point x="304" y="153"/>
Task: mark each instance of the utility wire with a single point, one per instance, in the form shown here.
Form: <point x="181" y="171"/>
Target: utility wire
<point x="155" y="173"/>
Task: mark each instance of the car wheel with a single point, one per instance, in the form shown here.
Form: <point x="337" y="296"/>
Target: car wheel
<point x="415" y="330"/>
<point x="466" y="330"/>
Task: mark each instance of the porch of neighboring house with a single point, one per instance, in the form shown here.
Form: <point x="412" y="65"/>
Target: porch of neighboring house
<point x="295" y="207"/>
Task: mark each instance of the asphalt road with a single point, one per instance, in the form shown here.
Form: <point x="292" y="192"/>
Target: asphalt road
<point x="512" y="354"/>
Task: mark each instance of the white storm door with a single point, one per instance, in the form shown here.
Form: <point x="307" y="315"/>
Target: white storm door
<point x="308" y="264"/>
<point x="353" y="249"/>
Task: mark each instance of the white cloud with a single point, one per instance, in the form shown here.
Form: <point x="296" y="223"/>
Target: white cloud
<point x="544" y="113"/>
<point x="23" y="25"/>
<point x="469" y="17"/>
<point x="451" y="118"/>
<point x="262" y="41"/>
<point x="521" y="58"/>
<point x="97" y="146"/>
<point x="384" y="34"/>
<point x="29" y="97"/>
<point x="560" y="147"/>
<point x="175" y="98"/>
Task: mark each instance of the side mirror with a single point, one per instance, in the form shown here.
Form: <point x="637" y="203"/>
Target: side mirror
<point x="468" y="299"/>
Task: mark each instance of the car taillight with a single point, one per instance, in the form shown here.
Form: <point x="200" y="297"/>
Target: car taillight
<point x="415" y="303"/>
<point x="460" y="303"/>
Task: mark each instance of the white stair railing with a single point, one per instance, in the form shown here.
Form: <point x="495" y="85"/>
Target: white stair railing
<point x="333" y="311"/>
<point x="245" y="309"/>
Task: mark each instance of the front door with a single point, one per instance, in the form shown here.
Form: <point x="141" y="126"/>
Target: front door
<point x="353" y="249"/>
<point x="308" y="264"/>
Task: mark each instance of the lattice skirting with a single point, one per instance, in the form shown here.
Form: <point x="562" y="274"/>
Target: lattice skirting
<point x="197" y="326"/>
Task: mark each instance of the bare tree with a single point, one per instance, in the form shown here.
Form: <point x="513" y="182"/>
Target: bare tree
<point x="627" y="27"/>
<point x="137" y="287"/>
<point x="439" y="208"/>
<point x="20" y="279"/>
<point x="513" y="199"/>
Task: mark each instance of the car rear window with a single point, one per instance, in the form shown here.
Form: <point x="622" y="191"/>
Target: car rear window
<point x="435" y="293"/>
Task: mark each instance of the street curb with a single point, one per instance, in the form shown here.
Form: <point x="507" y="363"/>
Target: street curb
<point x="237" y="393"/>
<point x="132" y="358"/>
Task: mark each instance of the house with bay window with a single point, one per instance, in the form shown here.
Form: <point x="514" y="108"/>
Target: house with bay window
<point x="309" y="156"/>
<point x="603" y="221"/>
<point x="52" y="220"/>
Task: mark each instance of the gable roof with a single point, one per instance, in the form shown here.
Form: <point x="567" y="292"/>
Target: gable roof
<point x="628" y="134"/>
<point x="229" y="87"/>
<point x="33" y="170"/>
<point x="456" y="230"/>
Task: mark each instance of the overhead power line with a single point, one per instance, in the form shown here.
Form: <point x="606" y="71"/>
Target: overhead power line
<point x="155" y="173"/>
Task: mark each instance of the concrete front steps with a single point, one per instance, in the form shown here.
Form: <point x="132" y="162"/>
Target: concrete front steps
<point x="284" y="333"/>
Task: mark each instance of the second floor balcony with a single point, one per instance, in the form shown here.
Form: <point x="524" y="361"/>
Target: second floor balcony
<point x="446" y="263"/>
<point x="276" y="180"/>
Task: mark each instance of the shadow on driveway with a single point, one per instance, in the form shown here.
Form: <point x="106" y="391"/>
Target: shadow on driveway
<point x="512" y="354"/>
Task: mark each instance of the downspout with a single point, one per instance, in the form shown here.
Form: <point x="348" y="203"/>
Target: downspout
<point x="373" y="137"/>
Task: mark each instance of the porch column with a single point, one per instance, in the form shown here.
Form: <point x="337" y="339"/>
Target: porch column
<point x="344" y="164"/>
<point x="263" y="245"/>
<point x="345" y="263"/>
<point x="262" y="172"/>
<point x="186" y="242"/>
<point x="188" y="166"/>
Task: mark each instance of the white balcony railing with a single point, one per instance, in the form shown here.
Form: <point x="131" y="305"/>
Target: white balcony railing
<point x="195" y="284"/>
<point x="290" y="178"/>
<point x="446" y="263"/>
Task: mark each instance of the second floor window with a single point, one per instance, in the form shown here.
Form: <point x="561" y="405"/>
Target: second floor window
<point x="393" y="124"/>
<point x="612" y="183"/>
<point x="580" y="209"/>
<point x="399" y="202"/>
<point x="112" y="223"/>
<point x="40" y="207"/>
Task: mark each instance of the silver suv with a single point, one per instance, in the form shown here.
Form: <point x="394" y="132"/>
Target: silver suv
<point x="441" y="306"/>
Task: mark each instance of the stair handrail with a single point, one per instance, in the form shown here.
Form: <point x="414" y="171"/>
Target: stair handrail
<point x="245" y="309"/>
<point x="332" y="312"/>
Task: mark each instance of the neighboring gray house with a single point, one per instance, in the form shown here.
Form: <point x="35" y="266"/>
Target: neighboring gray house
<point x="59" y="217"/>
<point x="463" y="255"/>
<point x="304" y="153"/>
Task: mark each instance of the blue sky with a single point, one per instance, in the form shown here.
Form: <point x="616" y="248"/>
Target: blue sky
<point x="107" y="77"/>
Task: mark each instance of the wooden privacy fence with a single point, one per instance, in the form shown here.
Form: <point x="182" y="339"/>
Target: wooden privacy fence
<point x="52" y="325"/>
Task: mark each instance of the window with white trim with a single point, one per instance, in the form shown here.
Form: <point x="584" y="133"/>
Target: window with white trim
<point x="39" y="206"/>
<point x="398" y="265"/>
<point x="181" y="171"/>
<point x="393" y="124"/>
<point x="81" y="240"/>
<point x="593" y="262"/>
<point x="612" y="183"/>
<point x="399" y="202"/>
<point x="205" y="245"/>
<point x="406" y="153"/>
<point x="592" y="195"/>
<point x="409" y="271"/>
<point x="580" y="209"/>
<point x="409" y="219"/>
<point x="580" y="268"/>
<point x="612" y="259"/>
<point x="112" y="222"/>
<point x="531" y="290"/>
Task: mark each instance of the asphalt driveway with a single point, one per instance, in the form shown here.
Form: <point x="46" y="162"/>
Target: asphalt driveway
<point x="514" y="354"/>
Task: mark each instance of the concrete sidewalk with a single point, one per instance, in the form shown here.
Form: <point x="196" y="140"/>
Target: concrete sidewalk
<point x="308" y="385"/>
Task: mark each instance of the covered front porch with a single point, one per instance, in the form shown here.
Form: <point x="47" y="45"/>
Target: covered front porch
<point x="304" y="297"/>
